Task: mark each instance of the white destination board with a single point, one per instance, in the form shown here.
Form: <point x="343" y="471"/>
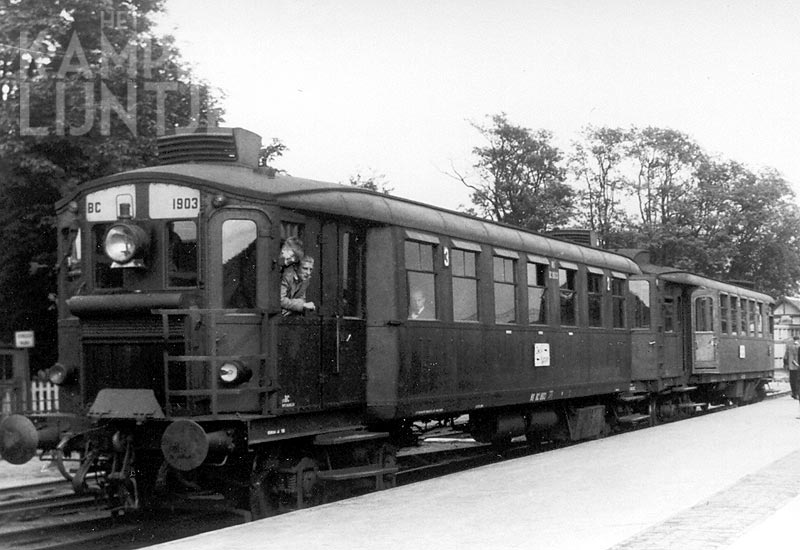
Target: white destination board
<point x="104" y="205"/>
<point x="24" y="339"/>
<point x="173" y="201"/>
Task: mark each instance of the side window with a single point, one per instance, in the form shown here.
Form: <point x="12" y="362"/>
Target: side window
<point x="734" y="314"/>
<point x="723" y="313"/>
<point x="641" y="303"/>
<point x="537" y="293"/>
<point x="465" y="285"/>
<point x="618" y="302"/>
<point x="352" y="249"/>
<point x="668" y="314"/>
<point x="594" y="287"/>
<point x="239" y="264"/>
<point x="104" y="275"/>
<point x="704" y="314"/>
<point x="742" y="316"/>
<point x="567" y="294"/>
<point x="421" y="280"/>
<point x="182" y="253"/>
<point x="751" y="318"/>
<point x="505" y="310"/>
<point x="760" y="319"/>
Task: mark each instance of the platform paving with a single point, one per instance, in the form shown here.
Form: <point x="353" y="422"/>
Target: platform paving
<point x="727" y="480"/>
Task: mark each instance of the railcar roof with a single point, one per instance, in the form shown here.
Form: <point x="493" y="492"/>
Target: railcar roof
<point x="355" y="202"/>
<point x="685" y="278"/>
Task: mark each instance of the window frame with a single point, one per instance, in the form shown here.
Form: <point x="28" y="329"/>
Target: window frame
<point x="509" y="266"/>
<point x="433" y="243"/>
<point x="459" y="249"/>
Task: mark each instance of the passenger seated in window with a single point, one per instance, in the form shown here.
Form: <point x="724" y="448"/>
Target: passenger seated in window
<point x="291" y="252"/>
<point x="418" y="308"/>
<point x="294" y="283"/>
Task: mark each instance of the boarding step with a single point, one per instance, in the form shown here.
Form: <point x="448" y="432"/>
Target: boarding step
<point x="356" y="472"/>
<point x="691" y="405"/>
<point x="633" y="418"/>
<point x="632" y="397"/>
<point x="682" y="389"/>
<point x="342" y="438"/>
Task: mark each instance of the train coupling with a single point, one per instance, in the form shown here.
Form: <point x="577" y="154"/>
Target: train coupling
<point x="186" y="445"/>
<point x="20" y="438"/>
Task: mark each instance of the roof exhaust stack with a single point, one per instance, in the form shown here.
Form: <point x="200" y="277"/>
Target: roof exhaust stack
<point x="211" y="145"/>
<point x="586" y="237"/>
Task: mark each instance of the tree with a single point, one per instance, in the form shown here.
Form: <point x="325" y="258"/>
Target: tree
<point x="520" y="178"/>
<point x="598" y="162"/>
<point x="268" y="154"/>
<point x="374" y="182"/>
<point x="665" y="160"/>
<point x="86" y="87"/>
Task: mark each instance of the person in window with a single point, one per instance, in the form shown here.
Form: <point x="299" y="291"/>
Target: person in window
<point x="418" y="308"/>
<point x="294" y="283"/>
<point x="291" y="252"/>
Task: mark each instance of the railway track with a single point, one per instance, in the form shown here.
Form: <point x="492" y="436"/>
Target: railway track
<point x="48" y="516"/>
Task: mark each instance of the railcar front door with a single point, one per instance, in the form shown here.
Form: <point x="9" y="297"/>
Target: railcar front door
<point x="238" y="266"/>
<point x="706" y="332"/>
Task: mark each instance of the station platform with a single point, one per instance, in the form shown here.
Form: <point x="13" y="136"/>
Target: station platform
<point x="726" y="480"/>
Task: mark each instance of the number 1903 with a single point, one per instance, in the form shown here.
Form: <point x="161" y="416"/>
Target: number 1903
<point x="185" y="203"/>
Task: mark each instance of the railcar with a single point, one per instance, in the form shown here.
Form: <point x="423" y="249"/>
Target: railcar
<point x="181" y="373"/>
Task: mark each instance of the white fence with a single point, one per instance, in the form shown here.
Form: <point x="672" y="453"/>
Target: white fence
<point x="44" y="397"/>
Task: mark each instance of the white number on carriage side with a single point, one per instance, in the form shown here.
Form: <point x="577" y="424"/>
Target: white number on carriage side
<point x="105" y="205"/>
<point x="173" y="201"/>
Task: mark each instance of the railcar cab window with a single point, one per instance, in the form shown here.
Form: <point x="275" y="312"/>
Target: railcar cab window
<point x="505" y="285"/>
<point x="73" y="257"/>
<point x="421" y="280"/>
<point x="594" y="288"/>
<point x="537" y="290"/>
<point x="465" y="282"/>
<point x="640" y="290"/>
<point x="182" y="253"/>
<point x="567" y="286"/>
<point x="239" y="264"/>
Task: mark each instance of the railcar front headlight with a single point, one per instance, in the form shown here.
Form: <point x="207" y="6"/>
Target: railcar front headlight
<point x="234" y="372"/>
<point x="124" y="242"/>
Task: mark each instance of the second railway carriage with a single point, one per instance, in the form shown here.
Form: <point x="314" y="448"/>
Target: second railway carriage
<point x="180" y="371"/>
<point x="696" y="341"/>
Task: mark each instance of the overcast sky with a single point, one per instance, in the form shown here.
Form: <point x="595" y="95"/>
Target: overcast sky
<point x="390" y="87"/>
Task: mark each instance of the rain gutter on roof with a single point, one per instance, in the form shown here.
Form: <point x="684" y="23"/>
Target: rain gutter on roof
<point x="684" y="278"/>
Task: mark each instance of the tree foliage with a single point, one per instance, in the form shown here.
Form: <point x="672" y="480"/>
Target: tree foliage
<point x="373" y="182"/>
<point x="520" y="179"/>
<point x="85" y="88"/>
<point x="690" y="210"/>
<point x="650" y="188"/>
<point x="597" y="162"/>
